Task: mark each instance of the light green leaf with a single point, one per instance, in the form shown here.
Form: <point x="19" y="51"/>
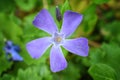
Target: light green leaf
<point x="102" y="72"/>
<point x="10" y="29"/>
<point x="27" y="74"/>
<point x="26" y="5"/>
<point x="65" y="6"/>
<point x="6" y="77"/>
<point x="36" y="72"/>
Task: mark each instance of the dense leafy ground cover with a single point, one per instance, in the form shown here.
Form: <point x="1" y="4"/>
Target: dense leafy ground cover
<point x="101" y="25"/>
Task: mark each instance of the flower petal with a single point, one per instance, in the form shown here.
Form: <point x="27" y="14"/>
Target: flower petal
<point x="16" y="56"/>
<point x="37" y="47"/>
<point x="45" y="22"/>
<point x="57" y="59"/>
<point x="77" y="46"/>
<point x="71" y="21"/>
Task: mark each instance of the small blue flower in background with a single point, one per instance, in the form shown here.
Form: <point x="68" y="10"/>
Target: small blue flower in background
<point x="45" y="22"/>
<point x="13" y="50"/>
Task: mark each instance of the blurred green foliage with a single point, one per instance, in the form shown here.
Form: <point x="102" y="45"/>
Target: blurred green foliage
<point x="101" y="25"/>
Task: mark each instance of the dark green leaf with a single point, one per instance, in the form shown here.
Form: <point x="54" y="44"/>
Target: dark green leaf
<point x="6" y="5"/>
<point x="89" y="21"/>
<point x="4" y="64"/>
<point x="107" y="54"/>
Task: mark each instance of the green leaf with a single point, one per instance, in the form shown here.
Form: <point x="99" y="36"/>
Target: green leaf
<point x="6" y="77"/>
<point x="10" y="29"/>
<point x="65" y="52"/>
<point x="102" y="72"/>
<point x="36" y="72"/>
<point x="107" y="54"/>
<point x="26" y="5"/>
<point x="112" y="27"/>
<point x="28" y="74"/>
<point x="111" y="31"/>
<point x="15" y="19"/>
<point x="72" y="72"/>
<point x="89" y="21"/>
<point x="4" y="64"/>
<point x="100" y="1"/>
<point x="1" y="41"/>
<point x="66" y="6"/>
<point x="6" y="5"/>
<point x="45" y="72"/>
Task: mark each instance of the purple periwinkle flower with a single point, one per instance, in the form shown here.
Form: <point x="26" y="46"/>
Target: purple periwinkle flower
<point x="13" y="50"/>
<point x="45" y="22"/>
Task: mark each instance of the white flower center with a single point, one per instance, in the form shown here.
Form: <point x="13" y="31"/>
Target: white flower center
<point x="58" y="39"/>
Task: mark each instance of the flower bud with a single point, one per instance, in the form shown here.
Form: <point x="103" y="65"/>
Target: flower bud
<point x="58" y="14"/>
